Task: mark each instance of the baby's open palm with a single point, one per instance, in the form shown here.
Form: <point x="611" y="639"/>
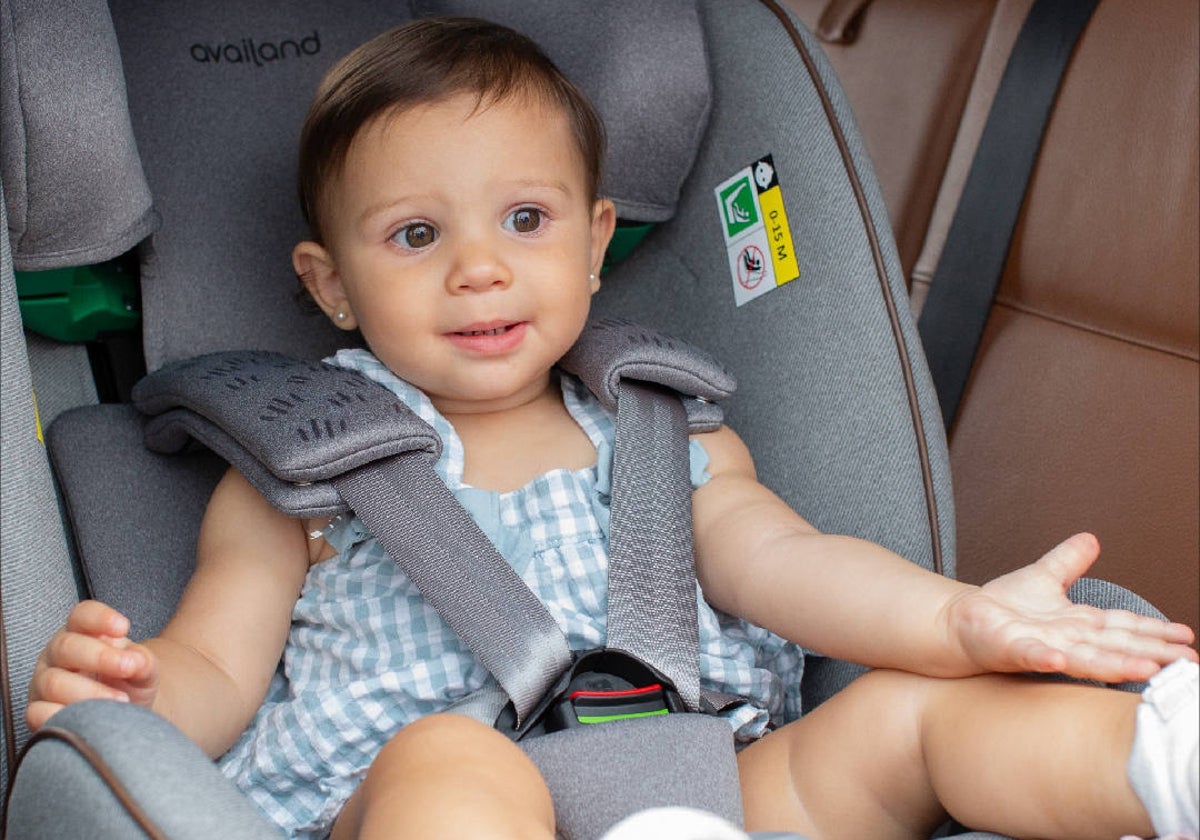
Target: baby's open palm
<point x="1023" y="621"/>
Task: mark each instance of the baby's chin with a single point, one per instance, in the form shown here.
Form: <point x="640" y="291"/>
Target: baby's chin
<point x="490" y="397"/>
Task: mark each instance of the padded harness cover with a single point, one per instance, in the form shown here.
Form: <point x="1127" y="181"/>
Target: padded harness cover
<point x="291" y="425"/>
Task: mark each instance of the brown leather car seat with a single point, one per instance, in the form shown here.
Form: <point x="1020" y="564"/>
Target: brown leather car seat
<point x="1082" y="408"/>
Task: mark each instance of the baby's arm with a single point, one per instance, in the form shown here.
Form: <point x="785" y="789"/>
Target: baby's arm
<point x="209" y="669"/>
<point x="852" y="599"/>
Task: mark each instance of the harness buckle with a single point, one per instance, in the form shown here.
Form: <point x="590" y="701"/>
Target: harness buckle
<point x="601" y="686"/>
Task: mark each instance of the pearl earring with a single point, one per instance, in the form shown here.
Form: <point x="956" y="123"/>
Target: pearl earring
<point x="341" y="316"/>
<point x="591" y="278"/>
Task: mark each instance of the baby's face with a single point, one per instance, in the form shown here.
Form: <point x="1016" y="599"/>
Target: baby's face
<point x="463" y="239"/>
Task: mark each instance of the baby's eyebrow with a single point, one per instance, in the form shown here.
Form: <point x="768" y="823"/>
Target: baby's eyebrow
<point x="538" y="183"/>
<point x="385" y="206"/>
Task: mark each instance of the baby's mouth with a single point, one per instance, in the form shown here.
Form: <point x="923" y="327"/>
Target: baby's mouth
<point x="489" y="337"/>
<point x="493" y="331"/>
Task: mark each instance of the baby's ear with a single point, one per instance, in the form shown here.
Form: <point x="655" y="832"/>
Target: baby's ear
<point x="604" y="221"/>
<point x="315" y="267"/>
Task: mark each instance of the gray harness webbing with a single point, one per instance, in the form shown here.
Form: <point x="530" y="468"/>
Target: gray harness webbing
<point x="317" y="440"/>
<point x="651" y="568"/>
<point x="465" y="579"/>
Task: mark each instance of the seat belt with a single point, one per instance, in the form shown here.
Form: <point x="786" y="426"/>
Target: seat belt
<point x="968" y="273"/>
<point x="315" y="440"/>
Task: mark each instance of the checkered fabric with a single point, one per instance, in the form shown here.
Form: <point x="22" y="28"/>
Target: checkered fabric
<point x="366" y="655"/>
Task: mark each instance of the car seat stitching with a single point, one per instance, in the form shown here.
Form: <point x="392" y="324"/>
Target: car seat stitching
<point x="881" y="273"/>
<point x="16" y="45"/>
<point x="9" y="722"/>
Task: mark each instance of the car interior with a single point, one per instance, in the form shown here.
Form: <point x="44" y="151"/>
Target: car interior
<point x="147" y="168"/>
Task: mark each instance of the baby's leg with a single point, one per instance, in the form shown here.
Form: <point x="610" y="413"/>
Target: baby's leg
<point x="449" y="776"/>
<point x="890" y="755"/>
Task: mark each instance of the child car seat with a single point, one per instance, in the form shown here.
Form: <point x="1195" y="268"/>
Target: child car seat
<point x="833" y="396"/>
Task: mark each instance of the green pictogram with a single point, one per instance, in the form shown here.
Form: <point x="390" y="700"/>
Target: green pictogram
<point x="737" y="207"/>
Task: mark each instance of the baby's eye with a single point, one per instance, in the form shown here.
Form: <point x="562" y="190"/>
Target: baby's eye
<point x="415" y="236"/>
<point x="524" y="220"/>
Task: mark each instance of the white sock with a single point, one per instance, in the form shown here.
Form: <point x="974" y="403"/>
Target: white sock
<point x="1164" y="766"/>
<point x="675" y="823"/>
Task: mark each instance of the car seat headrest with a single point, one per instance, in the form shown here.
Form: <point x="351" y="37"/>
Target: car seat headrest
<point x="646" y="73"/>
<point x="73" y="183"/>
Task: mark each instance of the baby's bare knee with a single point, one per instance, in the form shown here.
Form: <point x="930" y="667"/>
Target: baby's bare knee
<point x="440" y="730"/>
<point x="449" y="773"/>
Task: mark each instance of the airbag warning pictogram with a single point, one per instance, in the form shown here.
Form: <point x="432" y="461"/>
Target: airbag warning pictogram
<point x="758" y="238"/>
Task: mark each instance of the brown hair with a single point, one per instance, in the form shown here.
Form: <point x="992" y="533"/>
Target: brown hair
<point x="425" y="61"/>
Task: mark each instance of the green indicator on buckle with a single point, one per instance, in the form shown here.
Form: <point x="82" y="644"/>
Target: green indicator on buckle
<point x="608" y="718"/>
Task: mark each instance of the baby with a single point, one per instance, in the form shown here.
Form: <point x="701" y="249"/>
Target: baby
<point x="450" y="176"/>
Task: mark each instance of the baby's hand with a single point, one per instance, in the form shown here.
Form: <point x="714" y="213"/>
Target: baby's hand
<point x="1024" y="621"/>
<point x="91" y="658"/>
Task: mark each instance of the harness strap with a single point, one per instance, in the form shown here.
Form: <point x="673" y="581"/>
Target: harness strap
<point x="651" y="571"/>
<point x="460" y="573"/>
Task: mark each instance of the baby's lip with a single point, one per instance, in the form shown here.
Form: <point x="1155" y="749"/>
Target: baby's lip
<point x="496" y="327"/>
<point x="489" y="337"/>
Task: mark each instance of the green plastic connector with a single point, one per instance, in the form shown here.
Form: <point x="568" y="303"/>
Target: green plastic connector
<point x="79" y="304"/>
<point x="626" y="237"/>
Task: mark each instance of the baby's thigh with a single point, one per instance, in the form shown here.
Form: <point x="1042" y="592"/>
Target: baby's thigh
<point x="853" y="764"/>
<point x="445" y="775"/>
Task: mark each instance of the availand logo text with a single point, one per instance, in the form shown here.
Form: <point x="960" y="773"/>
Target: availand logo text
<point x="256" y="53"/>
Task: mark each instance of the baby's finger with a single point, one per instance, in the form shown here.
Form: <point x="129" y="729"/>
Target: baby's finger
<point x="96" y="618"/>
<point x="56" y="685"/>
<point x="145" y="670"/>
<point x="1108" y="666"/>
<point x="78" y="652"/>
<point x="1154" y="628"/>
<point x="1069" y="560"/>
<point x="38" y="712"/>
<point x="1121" y="648"/>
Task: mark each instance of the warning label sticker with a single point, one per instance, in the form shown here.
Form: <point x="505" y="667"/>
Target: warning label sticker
<point x="758" y="237"/>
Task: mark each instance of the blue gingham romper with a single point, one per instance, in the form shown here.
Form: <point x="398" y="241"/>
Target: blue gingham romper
<point x="366" y="654"/>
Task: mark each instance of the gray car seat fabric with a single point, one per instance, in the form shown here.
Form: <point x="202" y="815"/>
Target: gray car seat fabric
<point x="60" y="119"/>
<point x="35" y="568"/>
<point x="217" y="94"/>
<point x="98" y="750"/>
<point x="98" y="453"/>
<point x="866" y="456"/>
<point x="690" y="763"/>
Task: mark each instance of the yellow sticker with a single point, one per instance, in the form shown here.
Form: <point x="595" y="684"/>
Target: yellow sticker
<point x="779" y="235"/>
<point x="37" y="419"/>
